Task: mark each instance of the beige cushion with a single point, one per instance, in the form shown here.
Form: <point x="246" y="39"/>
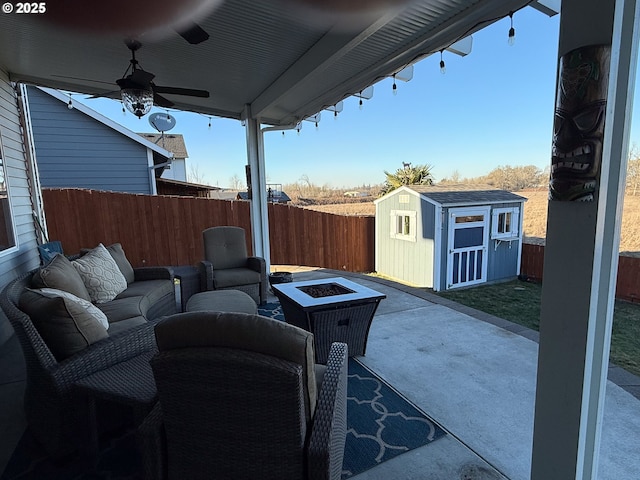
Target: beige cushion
<point x="120" y="258"/>
<point x="60" y="274"/>
<point x="247" y="332"/>
<point x="66" y="323"/>
<point x="100" y="274"/>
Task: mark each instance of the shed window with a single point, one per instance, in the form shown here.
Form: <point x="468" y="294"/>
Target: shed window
<point x="7" y="239"/>
<point x="403" y="225"/>
<point x="505" y="222"/>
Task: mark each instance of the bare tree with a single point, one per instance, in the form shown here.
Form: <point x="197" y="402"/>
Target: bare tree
<point x="195" y="175"/>
<point x="633" y="170"/>
<point x="235" y="183"/>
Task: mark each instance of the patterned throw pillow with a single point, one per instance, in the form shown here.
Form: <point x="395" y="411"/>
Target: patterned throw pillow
<point x="100" y="274"/>
<point x="76" y="306"/>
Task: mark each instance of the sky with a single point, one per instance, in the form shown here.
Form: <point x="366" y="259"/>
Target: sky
<point x="492" y="107"/>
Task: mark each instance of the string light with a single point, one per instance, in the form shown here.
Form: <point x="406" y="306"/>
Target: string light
<point x="360" y="103"/>
<point x="124" y="112"/>
<point x="512" y="31"/>
<point x="209" y="127"/>
<point x="443" y="68"/>
<point x="70" y="104"/>
<point x="394" y="88"/>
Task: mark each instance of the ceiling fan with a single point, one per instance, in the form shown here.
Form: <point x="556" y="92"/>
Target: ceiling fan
<point x="139" y="93"/>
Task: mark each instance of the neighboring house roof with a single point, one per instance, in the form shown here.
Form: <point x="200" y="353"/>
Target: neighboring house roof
<point x="224" y="194"/>
<point x="280" y="198"/>
<point x="106" y="121"/>
<point x="464" y="194"/>
<point x="167" y="186"/>
<point x="174" y="142"/>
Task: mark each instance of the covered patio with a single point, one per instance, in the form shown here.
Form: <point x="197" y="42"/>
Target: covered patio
<point x="472" y="373"/>
<point x="266" y="67"/>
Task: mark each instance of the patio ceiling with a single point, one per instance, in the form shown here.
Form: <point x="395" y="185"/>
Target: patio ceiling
<point x="259" y="53"/>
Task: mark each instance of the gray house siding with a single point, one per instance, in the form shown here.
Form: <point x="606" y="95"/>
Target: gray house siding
<point x="24" y="256"/>
<point x="410" y="261"/>
<point x="74" y="150"/>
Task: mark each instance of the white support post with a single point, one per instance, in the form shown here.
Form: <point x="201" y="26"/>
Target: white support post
<point x="580" y="266"/>
<point x="258" y="188"/>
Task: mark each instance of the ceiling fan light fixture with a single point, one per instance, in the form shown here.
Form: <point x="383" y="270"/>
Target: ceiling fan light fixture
<point x="137" y="100"/>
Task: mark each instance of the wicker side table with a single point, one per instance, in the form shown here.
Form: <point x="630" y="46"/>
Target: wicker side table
<point x="129" y="383"/>
<point x="189" y="279"/>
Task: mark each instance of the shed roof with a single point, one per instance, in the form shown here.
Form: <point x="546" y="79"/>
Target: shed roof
<point x="174" y="142"/>
<point x="464" y="194"/>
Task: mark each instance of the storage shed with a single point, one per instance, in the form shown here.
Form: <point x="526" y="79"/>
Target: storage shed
<point x="448" y="236"/>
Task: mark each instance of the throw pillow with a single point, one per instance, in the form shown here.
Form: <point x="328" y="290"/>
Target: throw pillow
<point x="101" y="275"/>
<point x="125" y="267"/>
<point x="77" y="305"/>
<point x="67" y="324"/>
<point x="60" y="274"/>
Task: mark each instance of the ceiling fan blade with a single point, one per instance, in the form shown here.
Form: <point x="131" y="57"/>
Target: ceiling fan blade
<point x="160" y="101"/>
<point x="193" y="33"/>
<point x="189" y="92"/>
<point x="112" y="94"/>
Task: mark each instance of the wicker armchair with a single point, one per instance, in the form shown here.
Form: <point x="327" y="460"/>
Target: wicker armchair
<point x="226" y="264"/>
<point x="228" y="406"/>
<point x="55" y="413"/>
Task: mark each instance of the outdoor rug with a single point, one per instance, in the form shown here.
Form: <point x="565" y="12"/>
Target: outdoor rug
<point x="381" y="424"/>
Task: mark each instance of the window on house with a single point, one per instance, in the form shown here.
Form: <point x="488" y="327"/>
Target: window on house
<point x="505" y="223"/>
<point x="403" y="225"/>
<point x="7" y="239"/>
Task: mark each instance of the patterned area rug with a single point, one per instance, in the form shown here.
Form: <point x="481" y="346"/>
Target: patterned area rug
<point x="381" y="424"/>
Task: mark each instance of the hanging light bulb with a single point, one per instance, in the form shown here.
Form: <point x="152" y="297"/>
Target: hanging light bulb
<point x="443" y="68"/>
<point x="317" y="126"/>
<point x="335" y="114"/>
<point x="394" y="88"/>
<point x="360" y="103"/>
<point x="283" y="134"/>
<point x="298" y="130"/>
<point x="70" y="104"/>
<point x="209" y="127"/>
<point x="512" y="32"/>
<point x="124" y="112"/>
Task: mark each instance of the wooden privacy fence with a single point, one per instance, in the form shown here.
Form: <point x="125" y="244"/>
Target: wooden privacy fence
<point x="628" y="278"/>
<point x="167" y="230"/>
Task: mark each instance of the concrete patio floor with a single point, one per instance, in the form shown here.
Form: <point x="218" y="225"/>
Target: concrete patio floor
<point x="475" y="375"/>
<point x="472" y="373"/>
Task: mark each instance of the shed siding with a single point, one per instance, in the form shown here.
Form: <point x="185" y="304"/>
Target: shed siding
<point x="75" y="150"/>
<point x="503" y="255"/>
<point x="405" y="260"/>
<point x="24" y="257"/>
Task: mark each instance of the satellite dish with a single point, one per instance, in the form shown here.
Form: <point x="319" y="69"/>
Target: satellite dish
<point x="162" y="122"/>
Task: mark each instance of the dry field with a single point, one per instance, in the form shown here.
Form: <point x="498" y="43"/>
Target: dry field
<point x="535" y="216"/>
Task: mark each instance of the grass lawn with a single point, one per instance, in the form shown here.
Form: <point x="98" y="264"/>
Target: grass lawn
<point x="519" y="302"/>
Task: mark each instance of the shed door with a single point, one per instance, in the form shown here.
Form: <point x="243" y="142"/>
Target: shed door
<point x="467" y="246"/>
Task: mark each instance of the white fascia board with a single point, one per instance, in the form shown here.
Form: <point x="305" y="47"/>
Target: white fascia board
<point x="403" y="188"/>
<point x="64" y="98"/>
<point x="462" y="47"/>
<point x="548" y="7"/>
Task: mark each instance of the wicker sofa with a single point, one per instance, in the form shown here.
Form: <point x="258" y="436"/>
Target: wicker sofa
<point x="56" y="414"/>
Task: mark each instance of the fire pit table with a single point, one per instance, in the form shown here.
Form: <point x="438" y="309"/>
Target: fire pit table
<point x="333" y="309"/>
